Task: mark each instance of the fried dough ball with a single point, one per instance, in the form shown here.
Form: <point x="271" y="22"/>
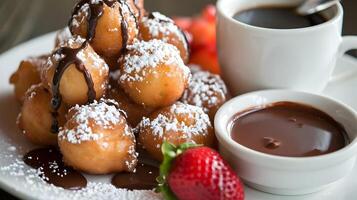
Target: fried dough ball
<point x="114" y="28"/>
<point x="62" y="37"/>
<point x="35" y="119"/>
<point x="158" y="26"/>
<point x="96" y="139"/>
<point x="153" y="73"/>
<point x="27" y="74"/>
<point x="176" y="124"/>
<point x="134" y="111"/>
<point x="206" y="90"/>
<point x="73" y="85"/>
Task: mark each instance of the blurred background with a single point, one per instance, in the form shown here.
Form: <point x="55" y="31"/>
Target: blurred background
<point x="21" y="20"/>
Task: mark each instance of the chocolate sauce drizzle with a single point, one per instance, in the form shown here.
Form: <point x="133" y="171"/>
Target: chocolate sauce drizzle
<point x="136" y="4"/>
<point x="96" y="11"/>
<point x="69" y="57"/>
<point x="52" y="169"/>
<point x="124" y="28"/>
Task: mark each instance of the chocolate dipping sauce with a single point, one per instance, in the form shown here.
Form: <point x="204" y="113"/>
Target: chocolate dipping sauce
<point x="288" y="129"/>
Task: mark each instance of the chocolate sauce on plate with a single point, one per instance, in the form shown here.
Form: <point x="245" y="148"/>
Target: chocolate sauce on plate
<point x="49" y="162"/>
<point x="288" y="129"/>
<point x="144" y="178"/>
<point x="53" y="170"/>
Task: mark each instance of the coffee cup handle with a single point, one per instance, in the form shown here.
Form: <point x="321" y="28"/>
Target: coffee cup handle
<point x="348" y="43"/>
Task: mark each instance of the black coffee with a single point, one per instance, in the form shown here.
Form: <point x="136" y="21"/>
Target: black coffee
<point x="278" y="18"/>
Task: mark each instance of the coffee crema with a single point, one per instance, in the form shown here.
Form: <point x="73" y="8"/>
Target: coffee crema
<point x="276" y="17"/>
<point x="288" y="129"/>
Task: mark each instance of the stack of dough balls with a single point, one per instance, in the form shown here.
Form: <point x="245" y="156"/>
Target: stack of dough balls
<point x="113" y="83"/>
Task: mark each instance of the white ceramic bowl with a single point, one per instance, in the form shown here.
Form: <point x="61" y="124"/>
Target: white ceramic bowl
<point x="287" y="175"/>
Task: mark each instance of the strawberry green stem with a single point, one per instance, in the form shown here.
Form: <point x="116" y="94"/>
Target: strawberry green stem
<point x="170" y="152"/>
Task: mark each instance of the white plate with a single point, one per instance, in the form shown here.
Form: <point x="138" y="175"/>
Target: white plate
<point x="18" y="179"/>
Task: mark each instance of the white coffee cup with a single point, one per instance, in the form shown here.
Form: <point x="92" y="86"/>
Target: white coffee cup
<point x="254" y="58"/>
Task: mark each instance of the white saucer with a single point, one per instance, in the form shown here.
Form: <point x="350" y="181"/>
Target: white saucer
<point x="18" y="179"/>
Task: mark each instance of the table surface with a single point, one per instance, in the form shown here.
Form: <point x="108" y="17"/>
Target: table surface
<point x="44" y="16"/>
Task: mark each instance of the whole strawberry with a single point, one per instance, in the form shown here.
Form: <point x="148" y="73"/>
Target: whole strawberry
<point x="189" y="172"/>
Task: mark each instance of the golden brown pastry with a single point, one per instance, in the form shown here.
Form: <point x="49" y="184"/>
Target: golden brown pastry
<point x="75" y="74"/>
<point x="158" y="26"/>
<point x="205" y="90"/>
<point x="109" y="25"/>
<point x="97" y="139"/>
<point x="134" y="111"/>
<point x="153" y="73"/>
<point x="35" y="119"/>
<point x="177" y="124"/>
<point x="27" y="74"/>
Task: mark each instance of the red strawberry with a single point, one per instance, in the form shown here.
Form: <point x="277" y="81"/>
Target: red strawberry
<point x="203" y="33"/>
<point x="206" y="58"/>
<point x="209" y="13"/>
<point x="197" y="173"/>
<point x="183" y="22"/>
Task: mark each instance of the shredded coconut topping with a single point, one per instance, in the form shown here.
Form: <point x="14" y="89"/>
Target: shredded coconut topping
<point x="148" y="55"/>
<point x="205" y="90"/>
<point x="160" y="25"/>
<point x="97" y="113"/>
<point x="165" y="122"/>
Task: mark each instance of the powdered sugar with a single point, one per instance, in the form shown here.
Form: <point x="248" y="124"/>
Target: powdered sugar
<point x="78" y="18"/>
<point x="31" y="92"/>
<point x="73" y="42"/>
<point x="168" y="121"/>
<point x="86" y="54"/>
<point x="62" y="36"/>
<point x="159" y="25"/>
<point x="146" y="56"/>
<point x="90" y="56"/>
<point x="205" y="90"/>
<point x="86" y="117"/>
